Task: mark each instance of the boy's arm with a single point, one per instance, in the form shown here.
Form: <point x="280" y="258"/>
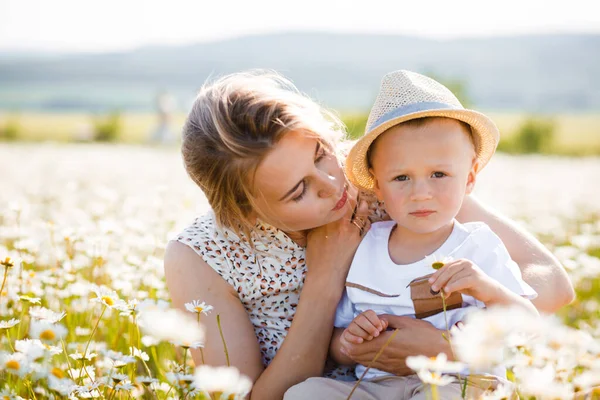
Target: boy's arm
<point x="335" y="348"/>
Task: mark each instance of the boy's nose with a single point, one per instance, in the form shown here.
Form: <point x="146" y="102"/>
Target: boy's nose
<point x="421" y="191"/>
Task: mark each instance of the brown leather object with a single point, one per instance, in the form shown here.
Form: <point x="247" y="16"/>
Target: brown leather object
<point x="427" y="303"/>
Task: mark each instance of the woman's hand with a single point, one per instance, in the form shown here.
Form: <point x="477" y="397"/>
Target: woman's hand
<point x="330" y="248"/>
<point x="414" y="337"/>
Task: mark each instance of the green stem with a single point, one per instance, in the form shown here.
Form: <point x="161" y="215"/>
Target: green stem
<point x="223" y="339"/>
<point x="89" y="341"/>
<point x="67" y="358"/>
<point x="28" y="384"/>
<point x="155" y="358"/>
<point x="185" y="351"/>
<point x="9" y="340"/>
<point x="201" y="350"/>
<point x="434" y="392"/>
<point x="3" y="281"/>
<point x="387" y="342"/>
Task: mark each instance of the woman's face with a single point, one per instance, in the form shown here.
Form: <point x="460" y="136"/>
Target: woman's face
<point x="300" y="185"/>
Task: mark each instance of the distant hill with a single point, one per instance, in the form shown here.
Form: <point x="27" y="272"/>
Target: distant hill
<point x="535" y="73"/>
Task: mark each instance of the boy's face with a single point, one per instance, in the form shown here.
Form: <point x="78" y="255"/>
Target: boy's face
<point x="422" y="173"/>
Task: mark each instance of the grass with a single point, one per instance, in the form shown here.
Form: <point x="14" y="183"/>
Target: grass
<point x="575" y="134"/>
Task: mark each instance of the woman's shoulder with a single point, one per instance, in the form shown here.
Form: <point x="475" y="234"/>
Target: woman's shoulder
<point x="211" y="243"/>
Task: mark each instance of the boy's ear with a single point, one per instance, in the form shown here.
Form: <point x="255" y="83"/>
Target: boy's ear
<point x="375" y="185"/>
<point x="472" y="178"/>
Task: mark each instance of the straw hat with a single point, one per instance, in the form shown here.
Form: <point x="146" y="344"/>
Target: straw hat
<point x="406" y="95"/>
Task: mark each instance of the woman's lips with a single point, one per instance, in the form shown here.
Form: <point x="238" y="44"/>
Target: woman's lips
<point x="342" y="201"/>
<point x="422" y="213"/>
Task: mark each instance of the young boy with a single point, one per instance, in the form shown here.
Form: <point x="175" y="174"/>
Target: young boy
<point x="421" y="155"/>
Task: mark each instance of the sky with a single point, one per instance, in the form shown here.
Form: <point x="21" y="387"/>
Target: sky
<point x="116" y="25"/>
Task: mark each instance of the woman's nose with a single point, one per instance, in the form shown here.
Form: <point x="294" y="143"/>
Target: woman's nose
<point x="328" y="185"/>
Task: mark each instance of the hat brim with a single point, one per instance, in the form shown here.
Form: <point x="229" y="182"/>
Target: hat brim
<point x="485" y="138"/>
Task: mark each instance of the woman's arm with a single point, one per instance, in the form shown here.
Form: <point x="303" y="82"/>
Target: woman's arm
<point x="191" y="278"/>
<point x="539" y="267"/>
<point x="304" y="351"/>
<point x="414" y="337"/>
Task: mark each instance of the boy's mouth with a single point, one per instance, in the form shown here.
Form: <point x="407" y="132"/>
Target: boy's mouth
<point x="422" y="213"/>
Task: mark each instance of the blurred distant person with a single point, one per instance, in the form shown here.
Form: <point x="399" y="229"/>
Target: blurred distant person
<point x="165" y="105"/>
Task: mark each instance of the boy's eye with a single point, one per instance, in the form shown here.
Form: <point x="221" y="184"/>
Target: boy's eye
<point x="401" y="178"/>
<point x="439" y="174"/>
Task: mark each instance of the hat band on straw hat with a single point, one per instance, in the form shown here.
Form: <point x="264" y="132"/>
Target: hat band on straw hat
<point x="411" y="109"/>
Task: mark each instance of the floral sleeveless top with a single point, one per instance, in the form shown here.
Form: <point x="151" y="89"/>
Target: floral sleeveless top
<point x="268" y="280"/>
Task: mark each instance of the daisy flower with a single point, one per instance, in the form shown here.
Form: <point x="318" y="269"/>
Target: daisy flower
<point x="146" y="380"/>
<point x="79" y="356"/>
<point x="198" y="307"/>
<point x="437" y="261"/>
<point x="7" y="263"/>
<point x="34" y="349"/>
<point x="29" y="299"/>
<point x="43" y="313"/>
<point x="171" y="325"/>
<point x="9" y="324"/>
<point x="16" y="363"/>
<point x="135" y="352"/>
<point x="8" y="394"/>
<point x="435" y="378"/>
<point x="180" y="380"/>
<point x="124" y="385"/>
<point x="46" y="331"/>
<point x="225" y="380"/>
<point x="62" y="386"/>
<point x="109" y="298"/>
<point x="439" y="364"/>
<point x="117" y="378"/>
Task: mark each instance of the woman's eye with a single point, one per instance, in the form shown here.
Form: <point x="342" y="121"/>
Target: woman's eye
<point x="439" y="174"/>
<point x="401" y="178"/>
<point x="301" y="195"/>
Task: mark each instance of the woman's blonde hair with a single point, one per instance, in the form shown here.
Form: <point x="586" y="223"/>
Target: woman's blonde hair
<point x="233" y="124"/>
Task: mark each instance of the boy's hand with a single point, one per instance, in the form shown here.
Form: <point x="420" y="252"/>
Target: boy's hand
<point x="365" y="326"/>
<point x="465" y="277"/>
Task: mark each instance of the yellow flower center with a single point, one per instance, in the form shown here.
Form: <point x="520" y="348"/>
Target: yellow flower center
<point x="108" y="300"/>
<point x="199" y="309"/>
<point x="13" y="364"/>
<point x="31" y="274"/>
<point x="48" y="334"/>
<point x="437" y="265"/>
<point x="57" y="372"/>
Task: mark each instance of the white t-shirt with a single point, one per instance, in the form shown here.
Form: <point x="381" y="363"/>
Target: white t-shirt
<point x="373" y="268"/>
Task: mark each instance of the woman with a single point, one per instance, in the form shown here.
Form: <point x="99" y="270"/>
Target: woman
<point x="284" y="220"/>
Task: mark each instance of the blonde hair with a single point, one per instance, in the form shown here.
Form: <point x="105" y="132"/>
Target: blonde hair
<point x="232" y="125"/>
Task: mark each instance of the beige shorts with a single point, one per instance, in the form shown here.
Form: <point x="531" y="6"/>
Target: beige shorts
<point x="386" y="388"/>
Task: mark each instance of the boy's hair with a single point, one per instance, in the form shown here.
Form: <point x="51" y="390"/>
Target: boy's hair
<point x="232" y="125"/>
<point x="417" y="123"/>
